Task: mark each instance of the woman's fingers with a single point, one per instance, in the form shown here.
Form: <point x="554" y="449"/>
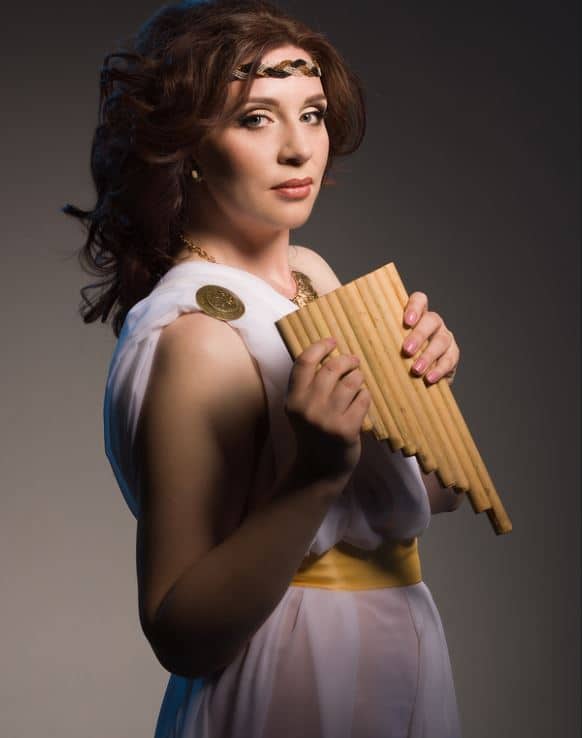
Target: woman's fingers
<point x="305" y="365"/>
<point x="438" y="345"/>
<point x="331" y="390"/>
<point x="429" y="323"/>
<point x="328" y="439"/>
<point x="440" y="356"/>
<point x="333" y="372"/>
<point x="337" y="386"/>
<point x="446" y="365"/>
<point x="346" y="390"/>
<point x="416" y="306"/>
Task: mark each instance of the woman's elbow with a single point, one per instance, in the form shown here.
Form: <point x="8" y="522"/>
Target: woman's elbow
<point x="178" y="655"/>
<point x="441" y="499"/>
<point x="192" y="662"/>
<point x="455" y="499"/>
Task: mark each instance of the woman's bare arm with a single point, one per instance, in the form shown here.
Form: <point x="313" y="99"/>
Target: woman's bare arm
<point x="204" y="590"/>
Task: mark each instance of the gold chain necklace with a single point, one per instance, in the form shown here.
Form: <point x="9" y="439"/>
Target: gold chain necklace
<point x="305" y="291"/>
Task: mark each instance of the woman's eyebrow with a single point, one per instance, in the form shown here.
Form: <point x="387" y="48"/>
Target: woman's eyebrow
<point x="273" y="101"/>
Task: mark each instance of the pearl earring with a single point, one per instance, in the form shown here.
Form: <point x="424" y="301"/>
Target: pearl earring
<point x="196" y="175"/>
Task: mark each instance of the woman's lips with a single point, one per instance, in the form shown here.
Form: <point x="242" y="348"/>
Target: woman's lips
<point x="293" y="193"/>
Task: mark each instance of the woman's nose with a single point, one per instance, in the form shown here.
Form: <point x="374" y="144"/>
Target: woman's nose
<point x="295" y="145"/>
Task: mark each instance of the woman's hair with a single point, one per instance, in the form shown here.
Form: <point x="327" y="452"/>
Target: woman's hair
<point x="159" y="95"/>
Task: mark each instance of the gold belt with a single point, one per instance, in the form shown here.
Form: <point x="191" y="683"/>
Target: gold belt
<point x="392" y="564"/>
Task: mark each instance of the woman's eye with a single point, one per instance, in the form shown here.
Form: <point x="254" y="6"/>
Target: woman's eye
<point x="248" y="121"/>
<point x="320" y="113"/>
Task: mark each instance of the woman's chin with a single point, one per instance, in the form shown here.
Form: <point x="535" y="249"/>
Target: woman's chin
<point x="296" y="219"/>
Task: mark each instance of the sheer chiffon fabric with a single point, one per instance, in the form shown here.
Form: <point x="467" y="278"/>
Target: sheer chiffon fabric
<point x="325" y="664"/>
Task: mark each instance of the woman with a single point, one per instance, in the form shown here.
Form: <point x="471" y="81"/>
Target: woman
<point x="247" y="471"/>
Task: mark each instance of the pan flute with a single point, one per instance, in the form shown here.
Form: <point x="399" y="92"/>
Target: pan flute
<point x="366" y="318"/>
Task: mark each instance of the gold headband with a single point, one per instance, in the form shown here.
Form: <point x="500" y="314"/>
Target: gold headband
<point x="284" y="68"/>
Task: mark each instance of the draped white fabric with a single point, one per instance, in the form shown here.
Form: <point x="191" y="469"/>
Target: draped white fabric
<point x="325" y="664"/>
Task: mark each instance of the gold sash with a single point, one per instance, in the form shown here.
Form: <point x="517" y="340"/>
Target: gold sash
<point x="392" y="564"/>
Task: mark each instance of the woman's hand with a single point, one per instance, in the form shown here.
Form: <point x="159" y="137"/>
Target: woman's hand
<point x="440" y="356"/>
<point x="326" y="408"/>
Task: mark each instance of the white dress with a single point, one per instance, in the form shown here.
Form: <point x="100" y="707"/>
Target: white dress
<point x="325" y="663"/>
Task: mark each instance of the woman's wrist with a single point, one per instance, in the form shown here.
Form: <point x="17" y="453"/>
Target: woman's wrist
<point x="302" y="474"/>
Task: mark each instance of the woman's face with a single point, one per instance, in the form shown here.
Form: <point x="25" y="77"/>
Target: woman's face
<point x="269" y="143"/>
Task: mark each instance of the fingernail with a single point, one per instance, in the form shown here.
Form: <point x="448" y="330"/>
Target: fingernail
<point x="332" y="341"/>
<point x="419" y="365"/>
<point x="410" y="317"/>
<point x="410" y="346"/>
<point x="432" y="376"/>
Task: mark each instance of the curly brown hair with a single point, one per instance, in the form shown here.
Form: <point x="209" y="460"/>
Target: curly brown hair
<point x="160" y="93"/>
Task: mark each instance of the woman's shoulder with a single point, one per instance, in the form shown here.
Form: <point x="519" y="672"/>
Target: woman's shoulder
<point x="308" y="261"/>
<point x="215" y="367"/>
<point x="218" y="352"/>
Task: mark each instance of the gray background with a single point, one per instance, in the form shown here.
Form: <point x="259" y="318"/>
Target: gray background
<point x="468" y="179"/>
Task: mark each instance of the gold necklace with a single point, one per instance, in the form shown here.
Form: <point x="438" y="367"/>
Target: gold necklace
<point x="305" y="291"/>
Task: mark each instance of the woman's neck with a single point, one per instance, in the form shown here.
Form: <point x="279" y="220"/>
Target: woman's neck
<point x="269" y="260"/>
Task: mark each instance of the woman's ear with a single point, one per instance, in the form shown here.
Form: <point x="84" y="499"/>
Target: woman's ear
<point x="196" y="173"/>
